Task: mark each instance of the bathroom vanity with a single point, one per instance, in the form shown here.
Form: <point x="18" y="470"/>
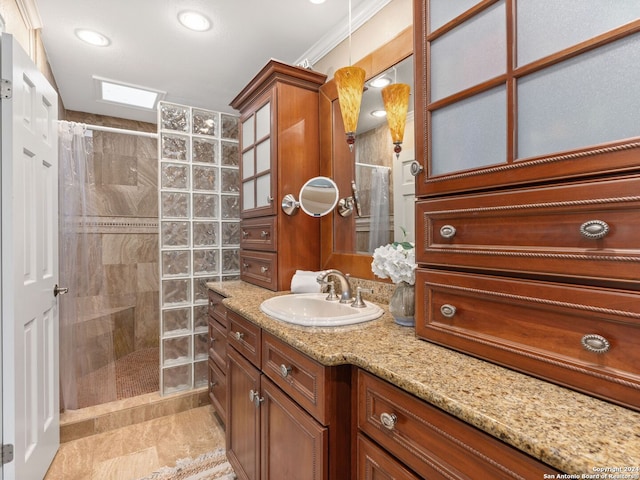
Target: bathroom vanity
<point x="413" y="409"/>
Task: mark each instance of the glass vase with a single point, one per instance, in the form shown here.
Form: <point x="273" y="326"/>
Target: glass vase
<point x="402" y="305"/>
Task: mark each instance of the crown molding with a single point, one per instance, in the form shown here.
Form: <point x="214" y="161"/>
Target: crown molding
<point x="332" y="38"/>
<point x="29" y="11"/>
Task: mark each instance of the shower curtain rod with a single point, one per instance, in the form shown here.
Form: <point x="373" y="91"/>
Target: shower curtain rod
<point x="120" y="130"/>
<point x="371" y="165"/>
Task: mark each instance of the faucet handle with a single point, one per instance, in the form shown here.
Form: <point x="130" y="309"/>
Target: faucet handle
<point x="358" y="302"/>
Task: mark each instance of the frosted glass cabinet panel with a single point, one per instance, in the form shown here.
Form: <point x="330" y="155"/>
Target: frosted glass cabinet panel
<point x="573" y="104"/>
<point x="442" y="11"/>
<point x="248" y="130"/>
<point x="263" y="191"/>
<point x="263" y="121"/>
<point x="479" y="126"/>
<point x="470" y="53"/>
<point x="549" y="26"/>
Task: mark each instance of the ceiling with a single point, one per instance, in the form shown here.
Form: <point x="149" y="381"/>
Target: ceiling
<point x="149" y="48"/>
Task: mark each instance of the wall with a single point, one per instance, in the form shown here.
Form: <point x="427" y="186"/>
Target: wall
<point x="382" y="27"/>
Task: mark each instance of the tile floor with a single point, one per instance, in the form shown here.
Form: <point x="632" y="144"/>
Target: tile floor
<point x="134" y="451"/>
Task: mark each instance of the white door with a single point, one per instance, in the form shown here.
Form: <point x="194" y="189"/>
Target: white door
<point x="30" y="390"/>
<point x="404" y="195"/>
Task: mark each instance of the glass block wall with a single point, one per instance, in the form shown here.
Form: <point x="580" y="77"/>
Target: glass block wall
<point x="199" y="233"/>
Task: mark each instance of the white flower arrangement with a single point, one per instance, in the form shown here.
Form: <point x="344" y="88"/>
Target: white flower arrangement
<point x="396" y="261"/>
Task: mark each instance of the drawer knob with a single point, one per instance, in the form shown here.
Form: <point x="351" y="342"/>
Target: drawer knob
<point x="212" y="384"/>
<point x="448" y="310"/>
<point x="245" y="234"/>
<point x="448" y="231"/>
<point x="388" y="420"/>
<point x="255" y="398"/>
<point x="594" y="229"/>
<point x="595" y="343"/>
<point x="245" y="266"/>
<point x="284" y="370"/>
<point x="212" y="341"/>
<point x="264" y="234"/>
<point x="264" y="269"/>
<point x="238" y="335"/>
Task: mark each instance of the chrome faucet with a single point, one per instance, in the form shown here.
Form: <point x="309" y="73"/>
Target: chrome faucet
<point x="345" y="296"/>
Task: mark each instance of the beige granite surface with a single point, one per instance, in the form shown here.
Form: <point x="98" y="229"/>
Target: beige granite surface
<point x="570" y="431"/>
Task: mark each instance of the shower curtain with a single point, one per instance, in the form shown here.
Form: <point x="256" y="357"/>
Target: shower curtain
<point x="379" y="234"/>
<point x="86" y="378"/>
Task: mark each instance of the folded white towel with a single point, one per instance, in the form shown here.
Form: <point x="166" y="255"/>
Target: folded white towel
<point x="304" y="281"/>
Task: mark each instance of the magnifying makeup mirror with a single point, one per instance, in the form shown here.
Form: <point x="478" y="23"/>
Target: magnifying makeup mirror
<point x="318" y="196"/>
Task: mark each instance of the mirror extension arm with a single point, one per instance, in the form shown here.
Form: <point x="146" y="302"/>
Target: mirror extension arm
<point x="347" y="204"/>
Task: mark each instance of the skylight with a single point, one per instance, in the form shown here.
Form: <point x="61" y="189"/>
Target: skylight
<point x="124" y="94"/>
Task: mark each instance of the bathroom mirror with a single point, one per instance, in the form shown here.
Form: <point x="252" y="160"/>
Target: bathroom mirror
<point x="318" y="196"/>
<point x="341" y="247"/>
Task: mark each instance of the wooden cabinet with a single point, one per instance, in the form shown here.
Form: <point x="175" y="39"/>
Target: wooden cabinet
<point x="527" y="252"/>
<point x="376" y="464"/>
<point x="430" y="442"/>
<point x="279" y="140"/>
<point x="218" y="355"/>
<point x="287" y="417"/>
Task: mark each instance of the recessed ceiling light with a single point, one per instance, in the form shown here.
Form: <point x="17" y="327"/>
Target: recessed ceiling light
<point x="380" y="82"/>
<point x="317" y="2"/>
<point x="131" y="95"/>
<point x="194" y="21"/>
<point x="379" y="113"/>
<point x="92" y="37"/>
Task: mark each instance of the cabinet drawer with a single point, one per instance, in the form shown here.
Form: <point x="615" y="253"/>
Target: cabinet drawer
<point x="374" y="463"/>
<point x="218" y="390"/>
<point x="218" y="344"/>
<point x="244" y="336"/>
<point x="216" y="309"/>
<point x="259" y="234"/>
<point x="433" y="443"/>
<point x="586" y="230"/>
<point x="298" y="375"/>
<point x="585" y="338"/>
<point x="259" y="268"/>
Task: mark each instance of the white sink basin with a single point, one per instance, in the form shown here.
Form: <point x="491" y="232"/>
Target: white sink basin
<point x="313" y="310"/>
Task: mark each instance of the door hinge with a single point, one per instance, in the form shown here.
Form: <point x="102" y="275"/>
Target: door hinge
<point x="5" y="88"/>
<point x="7" y="453"/>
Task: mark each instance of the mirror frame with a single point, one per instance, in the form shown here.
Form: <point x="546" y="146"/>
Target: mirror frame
<point x="337" y="162"/>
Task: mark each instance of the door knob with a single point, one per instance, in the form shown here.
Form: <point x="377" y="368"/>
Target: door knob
<point x="59" y="290"/>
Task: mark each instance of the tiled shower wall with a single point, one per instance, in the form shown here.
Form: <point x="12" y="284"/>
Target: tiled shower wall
<point x="118" y="298"/>
<point x="199" y="233"/>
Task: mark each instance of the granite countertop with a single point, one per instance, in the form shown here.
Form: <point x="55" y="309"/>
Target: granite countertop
<point x="570" y="431"/>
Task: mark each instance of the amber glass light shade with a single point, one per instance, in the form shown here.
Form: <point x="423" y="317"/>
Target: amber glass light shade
<point x="350" y="84"/>
<point x="396" y="104"/>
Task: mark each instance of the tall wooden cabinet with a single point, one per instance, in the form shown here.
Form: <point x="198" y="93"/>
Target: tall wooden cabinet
<point x="528" y="201"/>
<point x="279" y="142"/>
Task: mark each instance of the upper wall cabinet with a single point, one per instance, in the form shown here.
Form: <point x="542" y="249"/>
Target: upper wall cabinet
<point x="279" y="145"/>
<point x="525" y="95"/>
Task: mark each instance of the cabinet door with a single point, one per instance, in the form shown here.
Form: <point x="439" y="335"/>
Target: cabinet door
<point x="243" y="417"/>
<point x="294" y="445"/>
<point x="258" y="158"/>
<point x="376" y="464"/>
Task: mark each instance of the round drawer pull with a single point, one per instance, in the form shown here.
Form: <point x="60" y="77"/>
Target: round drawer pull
<point x="448" y="310"/>
<point x="238" y="335"/>
<point x="212" y="384"/>
<point x="285" y="371"/>
<point x="594" y="229"/>
<point x="448" y="231"/>
<point x="388" y="420"/>
<point x="264" y="269"/>
<point x="212" y="341"/>
<point x="415" y="168"/>
<point x="595" y="343"/>
<point x="245" y="234"/>
<point x="264" y="234"/>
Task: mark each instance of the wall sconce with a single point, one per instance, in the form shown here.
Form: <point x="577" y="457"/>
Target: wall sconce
<point x="396" y="104"/>
<point x="350" y="84"/>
